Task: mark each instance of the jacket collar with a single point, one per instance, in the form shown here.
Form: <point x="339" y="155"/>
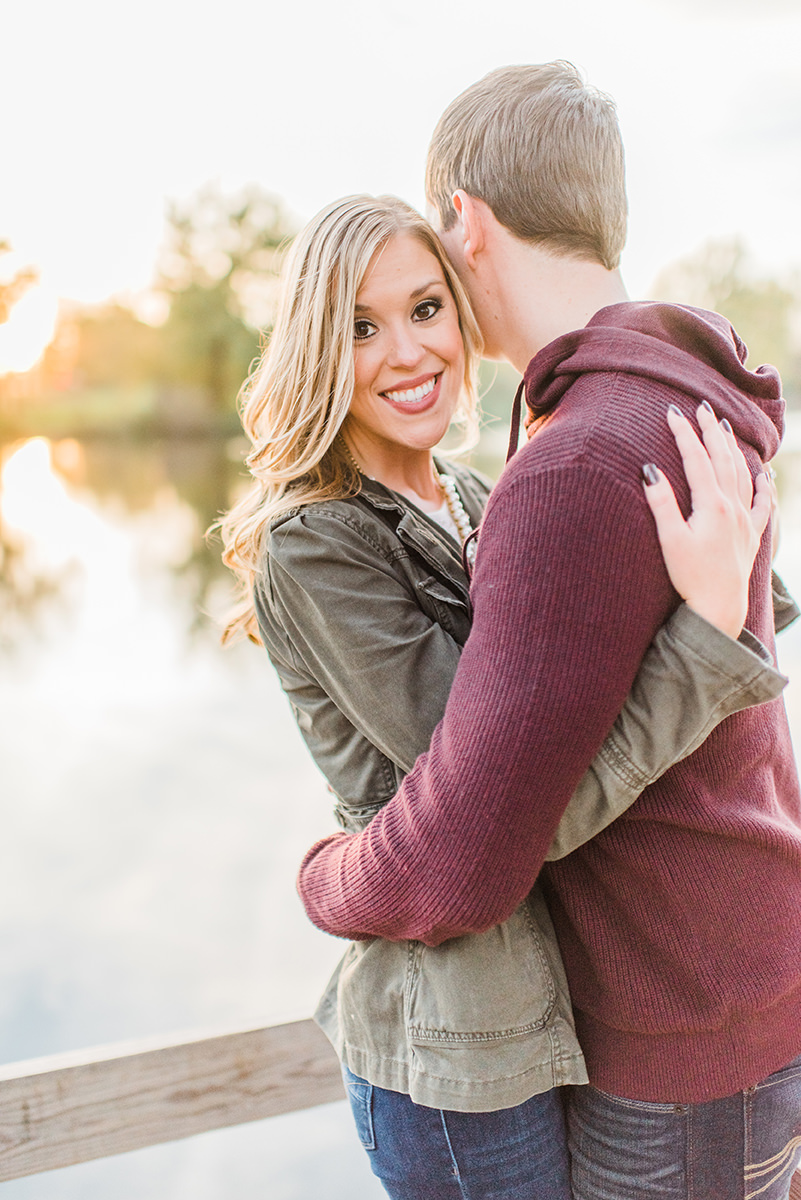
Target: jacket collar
<point x="382" y="497"/>
<point x="417" y="530"/>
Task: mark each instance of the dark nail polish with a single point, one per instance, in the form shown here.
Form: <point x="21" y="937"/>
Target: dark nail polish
<point x="705" y="404"/>
<point x="674" y="408"/>
<point x="650" y="473"/>
<point x="725" y="426"/>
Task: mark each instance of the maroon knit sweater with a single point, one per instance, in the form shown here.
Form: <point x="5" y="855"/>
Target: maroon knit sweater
<point x="680" y="925"/>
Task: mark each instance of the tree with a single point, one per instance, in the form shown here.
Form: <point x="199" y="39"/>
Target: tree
<point x="219" y="273"/>
<point x="112" y="346"/>
<point x="763" y="311"/>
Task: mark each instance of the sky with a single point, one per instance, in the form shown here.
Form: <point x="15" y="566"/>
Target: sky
<point x="112" y="110"/>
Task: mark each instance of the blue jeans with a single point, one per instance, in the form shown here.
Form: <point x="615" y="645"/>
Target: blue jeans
<point x="745" y="1146"/>
<point x="432" y="1154"/>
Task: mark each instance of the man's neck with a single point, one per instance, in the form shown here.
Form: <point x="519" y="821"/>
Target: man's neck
<point x="539" y="296"/>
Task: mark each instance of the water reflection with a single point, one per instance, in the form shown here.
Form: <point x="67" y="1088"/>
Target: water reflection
<point x="143" y="768"/>
<point x="175" y="487"/>
<point x="28" y="587"/>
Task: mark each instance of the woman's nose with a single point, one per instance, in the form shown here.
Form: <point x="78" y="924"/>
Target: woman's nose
<point x="406" y="349"/>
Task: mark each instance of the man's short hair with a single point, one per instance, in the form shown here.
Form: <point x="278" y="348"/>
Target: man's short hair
<point x="543" y="150"/>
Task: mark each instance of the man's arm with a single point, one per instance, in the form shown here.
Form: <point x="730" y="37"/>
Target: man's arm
<point x="568" y="593"/>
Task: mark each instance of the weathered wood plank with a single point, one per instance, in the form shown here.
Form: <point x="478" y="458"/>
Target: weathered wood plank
<point x="74" y="1107"/>
<point x="795" y="1187"/>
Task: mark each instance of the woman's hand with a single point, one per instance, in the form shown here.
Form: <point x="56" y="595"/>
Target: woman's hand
<point x="710" y="555"/>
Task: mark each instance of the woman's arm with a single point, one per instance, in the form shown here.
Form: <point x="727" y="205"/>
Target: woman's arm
<point x="692" y="678"/>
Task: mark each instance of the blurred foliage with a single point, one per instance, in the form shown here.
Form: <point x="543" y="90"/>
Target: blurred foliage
<point x="764" y="311"/>
<point x="206" y="346"/>
<point x="218" y="273"/>
<point x="236" y="242"/>
<point x="216" y="287"/>
<point x="112" y="346"/>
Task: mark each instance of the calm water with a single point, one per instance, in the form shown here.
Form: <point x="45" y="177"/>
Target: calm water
<point x="157" y="800"/>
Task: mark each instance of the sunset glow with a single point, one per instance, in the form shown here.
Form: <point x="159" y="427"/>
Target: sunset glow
<point x="28" y="331"/>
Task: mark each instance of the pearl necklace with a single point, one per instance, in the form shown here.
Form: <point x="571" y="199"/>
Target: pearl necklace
<point x="453" y="501"/>
<point x="456" y="508"/>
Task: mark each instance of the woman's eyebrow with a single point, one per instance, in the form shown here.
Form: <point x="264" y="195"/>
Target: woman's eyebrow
<point x="426" y="287"/>
<point x="412" y="295"/>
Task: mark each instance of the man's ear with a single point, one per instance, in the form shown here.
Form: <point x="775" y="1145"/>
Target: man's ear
<point x="471" y="217"/>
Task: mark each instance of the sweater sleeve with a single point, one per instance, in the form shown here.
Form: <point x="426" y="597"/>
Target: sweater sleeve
<point x="569" y="591"/>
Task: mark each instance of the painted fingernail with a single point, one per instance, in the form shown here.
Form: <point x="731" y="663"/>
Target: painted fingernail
<point x="674" y="408"/>
<point x="725" y="426"/>
<point x="705" y="404"/>
<point x="650" y="474"/>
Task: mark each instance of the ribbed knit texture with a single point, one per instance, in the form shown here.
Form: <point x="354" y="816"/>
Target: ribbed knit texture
<point x="680" y="925"/>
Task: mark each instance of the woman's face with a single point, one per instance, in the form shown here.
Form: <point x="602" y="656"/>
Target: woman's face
<point x="408" y="351"/>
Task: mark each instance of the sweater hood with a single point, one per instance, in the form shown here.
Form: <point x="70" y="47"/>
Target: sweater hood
<point x="687" y="349"/>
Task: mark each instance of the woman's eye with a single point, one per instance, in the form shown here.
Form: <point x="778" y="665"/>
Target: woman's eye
<point x="427" y="309"/>
<point x="362" y="330"/>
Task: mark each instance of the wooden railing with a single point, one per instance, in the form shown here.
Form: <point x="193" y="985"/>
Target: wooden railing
<point x="70" y="1108"/>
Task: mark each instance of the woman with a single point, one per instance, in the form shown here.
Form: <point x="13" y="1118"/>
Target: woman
<point x="348" y="548"/>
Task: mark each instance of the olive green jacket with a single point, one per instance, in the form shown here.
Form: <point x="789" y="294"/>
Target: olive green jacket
<point x="364" y="607"/>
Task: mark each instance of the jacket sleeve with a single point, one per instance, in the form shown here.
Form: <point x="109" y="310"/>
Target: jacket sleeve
<point x="785" y="609"/>
<point x="463" y="841"/>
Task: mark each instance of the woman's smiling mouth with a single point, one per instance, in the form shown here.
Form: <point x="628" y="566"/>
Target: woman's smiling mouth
<point x="414" y="395"/>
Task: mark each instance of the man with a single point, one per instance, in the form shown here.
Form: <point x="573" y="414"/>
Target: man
<point x="679" y="925"/>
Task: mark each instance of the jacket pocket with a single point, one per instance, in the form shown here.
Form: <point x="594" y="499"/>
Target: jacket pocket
<point x="447" y="609"/>
<point x="483" y="987"/>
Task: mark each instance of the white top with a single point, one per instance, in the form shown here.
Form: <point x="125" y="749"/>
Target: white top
<point x="442" y="516"/>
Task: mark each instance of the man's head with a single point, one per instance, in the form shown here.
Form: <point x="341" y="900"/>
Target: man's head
<point x="543" y="151"/>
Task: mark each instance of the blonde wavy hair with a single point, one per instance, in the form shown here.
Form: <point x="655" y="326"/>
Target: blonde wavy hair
<point x="295" y="402"/>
